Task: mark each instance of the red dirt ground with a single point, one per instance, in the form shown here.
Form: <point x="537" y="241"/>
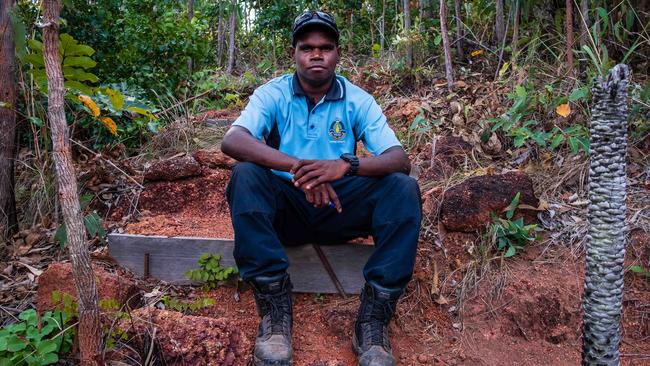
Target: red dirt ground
<point x="526" y="313"/>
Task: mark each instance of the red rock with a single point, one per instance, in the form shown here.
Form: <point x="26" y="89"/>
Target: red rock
<point x="214" y="159"/>
<point x="466" y="207"/>
<point x="110" y="286"/>
<point x="450" y="152"/>
<point x="173" y="169"/>
<point x="191" y="340"/>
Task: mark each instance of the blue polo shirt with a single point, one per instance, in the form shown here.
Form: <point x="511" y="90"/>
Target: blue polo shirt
<point x="280" y="113"/>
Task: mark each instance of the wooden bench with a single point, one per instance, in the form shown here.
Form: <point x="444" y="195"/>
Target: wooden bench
<point x="169" y="258"/>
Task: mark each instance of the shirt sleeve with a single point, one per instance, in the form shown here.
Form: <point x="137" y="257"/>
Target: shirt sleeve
<point x="259" y="114"/>
<point x="375" y="133"/>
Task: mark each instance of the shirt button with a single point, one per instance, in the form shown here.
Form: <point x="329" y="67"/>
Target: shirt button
<point x="312" y="127"/>
<point x="312" y="112"/>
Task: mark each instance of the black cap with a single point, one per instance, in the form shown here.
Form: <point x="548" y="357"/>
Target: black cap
<point x="314" y="20"/>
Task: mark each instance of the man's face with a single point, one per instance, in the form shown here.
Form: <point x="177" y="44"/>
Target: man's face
<point x="316" y="55"/>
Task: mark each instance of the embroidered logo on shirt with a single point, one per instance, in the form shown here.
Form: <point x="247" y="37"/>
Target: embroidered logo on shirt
<point x="337" y="130"/>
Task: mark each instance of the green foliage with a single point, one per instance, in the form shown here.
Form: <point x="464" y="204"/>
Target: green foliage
<point x="210" y="272"/>
<point x="640" y="270"/>
<point x="187" y="306"/>
<point x="522" y="122"/>
<point x="36" y="340"/>
<point x="509" y="235"/>
<point x="92" y="222"/>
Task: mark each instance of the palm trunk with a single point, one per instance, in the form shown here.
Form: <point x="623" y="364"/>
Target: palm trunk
<point x="231" y="37"/>
<point x="445" y="44"/>
<point x="90" y="339"/>
<point x="190" y="15"/>
<point x="220" y="36"/>
<point x="8" y="222"/>
<point x="350" y="30"/>
<point x="604" y="262"/>
<point x="382" y="40"/>
<point x="515" y="31"/>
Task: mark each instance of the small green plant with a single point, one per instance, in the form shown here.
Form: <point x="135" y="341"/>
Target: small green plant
<point x="92" y="222"/>
<point x="641" y="271"/>
<point x="187" y="306"/>
<point x="210" y="272"/>
<point x="511" y="235"/>
<point x="36" y="340"/>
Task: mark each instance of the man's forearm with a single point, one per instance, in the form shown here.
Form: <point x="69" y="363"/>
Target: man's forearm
<point x="241" y="145"/>
<point x="393" y="160"/>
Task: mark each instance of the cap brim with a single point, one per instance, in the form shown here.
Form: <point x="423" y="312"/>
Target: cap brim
<point x="313" y="24"/>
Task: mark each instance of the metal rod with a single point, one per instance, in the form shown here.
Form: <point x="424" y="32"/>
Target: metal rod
<point x="330" y="271"/>
<point x="146" y="265"/>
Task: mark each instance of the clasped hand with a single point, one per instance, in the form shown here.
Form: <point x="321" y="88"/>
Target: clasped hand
<point x="314" y="177"/>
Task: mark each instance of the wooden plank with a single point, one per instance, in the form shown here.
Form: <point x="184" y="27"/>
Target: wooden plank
<point x="171" y="257"/>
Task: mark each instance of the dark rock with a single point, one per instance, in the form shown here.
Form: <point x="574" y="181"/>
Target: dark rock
<point x="173" y="169"/>
<point x="466" y="207"/>
<point x="450" y="152"/>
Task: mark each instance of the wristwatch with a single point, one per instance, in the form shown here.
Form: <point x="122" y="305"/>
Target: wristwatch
<point x="354" y="163"/>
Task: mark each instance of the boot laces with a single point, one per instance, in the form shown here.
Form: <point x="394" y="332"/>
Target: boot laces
<point x="277" y="308"/>
<point x="380" y="313"/>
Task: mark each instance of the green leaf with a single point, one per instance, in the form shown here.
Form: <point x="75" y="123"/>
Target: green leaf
<point x="71" y="73"/>
<point x="28" y="315"/>
<point x="142" y="111"/>
<point x="580" y="93"/>
<point x="557" y="140"/>
<point x="36" y="46"/>
<point x="47" y="346"/>
<point x="81" y="61"/>
<point x="19" y="32"/>
<point x="61" y="235"/>
<point x="116" y="98"/>
<point x="93" y="224"/>
<point x="3" y="343"/>
<point x="49" y="358"/>
<point x="510" y="252"/>
<point x="637" y="269"/>
<point x="37" y="121"/>
<point x="35" y="59"/>
<point x="76" y="85"/>
<point x="15" y="344"/>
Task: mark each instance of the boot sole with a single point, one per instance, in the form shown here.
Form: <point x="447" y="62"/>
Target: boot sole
<point x="260" y="362"/>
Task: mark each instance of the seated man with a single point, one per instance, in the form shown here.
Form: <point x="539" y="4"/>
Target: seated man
<point x="299" y="182"/>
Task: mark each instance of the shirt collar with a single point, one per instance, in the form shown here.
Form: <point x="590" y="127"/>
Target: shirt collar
<point x="335" y="92"/>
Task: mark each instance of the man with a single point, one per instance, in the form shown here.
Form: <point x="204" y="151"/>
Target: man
<point x="304" y="184"/>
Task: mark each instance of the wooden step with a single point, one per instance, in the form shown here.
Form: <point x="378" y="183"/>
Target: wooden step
<point x="169" y="258"/>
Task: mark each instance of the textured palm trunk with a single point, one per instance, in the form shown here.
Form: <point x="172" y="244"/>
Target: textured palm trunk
<point x="407" y="28"/>
<point x="499" y="27"/>
<point x="90" y="341"/>
<point x="231" y="37"/>
<point x="459" y="30"/>
<point x="602" y="300"/>
<point x="8" y="222"/>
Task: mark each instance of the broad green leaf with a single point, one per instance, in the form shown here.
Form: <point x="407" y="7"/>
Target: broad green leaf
<point x="28" y="315"/>
<point x="15" y="344"/>
<point x="49" y="358"/>
<point x="35" y="45"/>
<point x="577" y="94"/>
<point x="61" y="235"/>
<point x="557" y="140"/>
<point x="35" y="59"/>
<point x="20" y="33"/>
<point x="47" y="346"/>
<point x="142" y="111"/>
<point x="116" y="98"/>
<point x="93" y="224"/>
<point x="81" y="61"/>
<point x="637" y="269"/>
<point x="510" y="252"/>
<point x="75" y="85"/>
<point x="3" y="343"/>
<point x="72" y="73"/>
<point x="37" y="121"/>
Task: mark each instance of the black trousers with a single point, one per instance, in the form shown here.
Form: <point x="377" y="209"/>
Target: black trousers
<point x="269" y="212"/>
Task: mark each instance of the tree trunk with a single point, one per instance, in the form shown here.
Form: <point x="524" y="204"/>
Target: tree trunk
<point x="350" y="30"/>
<point x="190" y="15"/>
<point x="90" y="338"/>
<point x="382" y="36"/>
<point x="584" y="23"/>
<point x="459" y="30"/>
<point x="221" y="35"/>
<point x="569" y="37"/>
<point x="8" y="223"/>
<point x="445" y="44"/>
<point x="499" y="29"/>
<point x="231" y="37"/>
<point x="407" y="29"/>
<point x="515" y="31"/>
<point x="605" y="253"/>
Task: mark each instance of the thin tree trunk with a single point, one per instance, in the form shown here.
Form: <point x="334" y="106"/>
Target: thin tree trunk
<point x="569" y="37"/>
<point x="584" y="23"/>
<point x="445" y="44"/>
<point x="190" y="15"/>
<point x="8" y="223"/>
<point x="420" y="15"/>
<point x="407" y="29"/>
<point x="231" y="37"/>
<point x="515" y="31"/>
<point x="382" y="39"/>
<point x="459" y="30"/>
<point x="499" y="27"/>
<point x="90" y="339"/>
<point x="350" y="30"/>
<point x="221" y="35"/>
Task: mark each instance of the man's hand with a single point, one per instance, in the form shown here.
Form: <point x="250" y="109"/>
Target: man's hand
<point x="308" y="174"/>
<point x="321" y="196"/>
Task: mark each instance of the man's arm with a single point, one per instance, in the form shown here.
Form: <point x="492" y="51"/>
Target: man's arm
<point x="241" y="145"/>
<point x="311" y="173"/>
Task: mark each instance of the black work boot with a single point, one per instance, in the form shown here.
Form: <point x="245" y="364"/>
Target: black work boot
<point x="370" y="338"/>
<point x="273" y="342"/>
